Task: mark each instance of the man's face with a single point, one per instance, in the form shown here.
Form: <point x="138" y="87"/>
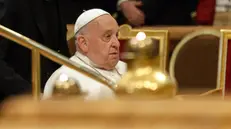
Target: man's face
<point x="103" y="45"/>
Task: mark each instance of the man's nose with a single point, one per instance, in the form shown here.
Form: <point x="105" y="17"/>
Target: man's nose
<point x="115" y="42"/>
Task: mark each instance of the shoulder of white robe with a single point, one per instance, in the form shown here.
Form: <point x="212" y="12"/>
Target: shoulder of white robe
<point x="121" y="67"/>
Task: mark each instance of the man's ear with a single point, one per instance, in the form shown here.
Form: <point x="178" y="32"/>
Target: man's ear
<point x="82" y="43"/>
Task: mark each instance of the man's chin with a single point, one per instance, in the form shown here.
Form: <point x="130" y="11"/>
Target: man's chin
<point x="112" y="65"/>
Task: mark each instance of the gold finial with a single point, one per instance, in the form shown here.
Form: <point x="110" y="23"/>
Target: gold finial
<point x="65" y="86"/>
<point x="144" y="78"/>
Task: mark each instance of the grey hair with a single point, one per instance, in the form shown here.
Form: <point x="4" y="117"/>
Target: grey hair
<point x="80" y="32"/>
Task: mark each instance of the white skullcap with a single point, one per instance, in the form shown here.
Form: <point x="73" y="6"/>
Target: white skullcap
<point x="87" y="17"/>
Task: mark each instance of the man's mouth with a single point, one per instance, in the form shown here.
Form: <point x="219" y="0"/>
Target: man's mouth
<point x="114" y="53"/>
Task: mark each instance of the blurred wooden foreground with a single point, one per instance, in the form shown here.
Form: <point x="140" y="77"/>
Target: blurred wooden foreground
<point x="75" y="114"/>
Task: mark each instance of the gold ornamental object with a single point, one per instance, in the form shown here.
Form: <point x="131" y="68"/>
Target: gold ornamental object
<point x="144" y="78"/>
<point x="65" y="86"/>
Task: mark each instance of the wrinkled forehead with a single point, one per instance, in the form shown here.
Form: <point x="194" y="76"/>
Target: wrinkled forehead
<point x="103" y="23"/>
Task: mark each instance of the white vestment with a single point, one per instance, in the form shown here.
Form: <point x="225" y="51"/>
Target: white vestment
<point x="95" y="90"/>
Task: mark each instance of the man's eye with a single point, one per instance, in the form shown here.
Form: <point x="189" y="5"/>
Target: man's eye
<point x="108" y="36"/>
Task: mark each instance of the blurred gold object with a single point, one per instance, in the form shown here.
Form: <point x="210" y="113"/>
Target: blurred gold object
<point x="144" y="77"/>
<point x="66" y="86"/>
<point x="195" y="113"/>
<point x="126" y="32"/>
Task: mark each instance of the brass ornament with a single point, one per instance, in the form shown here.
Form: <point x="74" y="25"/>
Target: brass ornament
<point x="66" y="87"/>
<point x="145" y="79"/>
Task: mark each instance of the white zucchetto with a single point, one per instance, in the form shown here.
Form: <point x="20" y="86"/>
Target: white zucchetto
<point x="88" y="16"/>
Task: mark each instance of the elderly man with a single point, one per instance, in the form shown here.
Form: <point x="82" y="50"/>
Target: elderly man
<point x="97" y="49"/>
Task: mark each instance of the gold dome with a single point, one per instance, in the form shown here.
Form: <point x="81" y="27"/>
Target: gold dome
<point x="65" y="86"/>
<point x="144" y="78"/>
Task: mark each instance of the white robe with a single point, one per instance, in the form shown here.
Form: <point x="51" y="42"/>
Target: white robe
<point x="94" y="89"/>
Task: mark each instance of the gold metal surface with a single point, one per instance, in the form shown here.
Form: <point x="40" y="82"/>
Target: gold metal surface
<point x="144" y="78"/>
<point x="225" y="37"/>
<point x="126" y="32"/>
<point x="65" y="87"/>
<point x="36" y="74"/>
<point x="195" y="113"/>
<point x="184" y="42"/>
<point x="37" y="50"/>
